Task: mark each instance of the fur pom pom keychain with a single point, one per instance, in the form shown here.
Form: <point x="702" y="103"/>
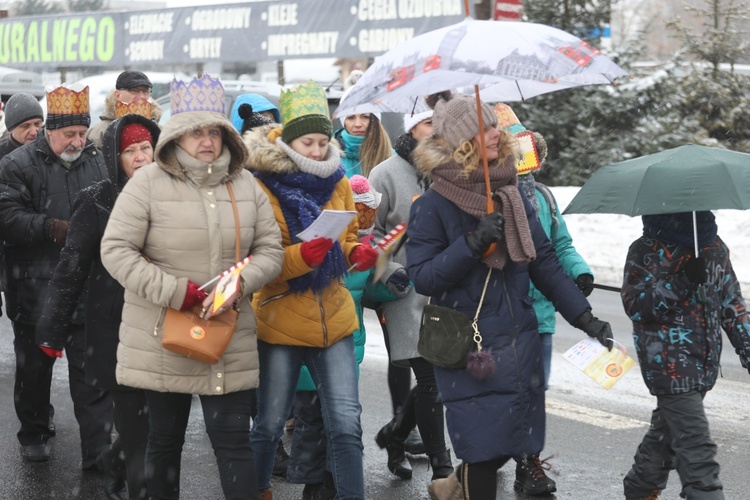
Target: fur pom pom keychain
<point x="480" y="363"/>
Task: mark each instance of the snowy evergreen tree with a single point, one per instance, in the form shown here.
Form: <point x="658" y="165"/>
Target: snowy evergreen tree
<point x="36" y="7"/>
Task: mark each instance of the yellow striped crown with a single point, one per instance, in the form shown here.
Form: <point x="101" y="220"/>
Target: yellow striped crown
<point x="65" y="101"/>
<point x="139" y="106"/>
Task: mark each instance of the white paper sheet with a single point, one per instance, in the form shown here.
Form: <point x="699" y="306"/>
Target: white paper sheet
<point x="329" y="224"/>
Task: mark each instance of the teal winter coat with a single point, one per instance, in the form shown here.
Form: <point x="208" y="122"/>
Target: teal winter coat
<point x="572" y="262"/>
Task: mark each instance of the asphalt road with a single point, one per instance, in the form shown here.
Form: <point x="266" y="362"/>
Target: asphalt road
<point x="591" y="433"/>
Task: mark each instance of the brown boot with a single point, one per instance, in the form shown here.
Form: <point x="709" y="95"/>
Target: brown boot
<point x="266" y="494"/>
<point x="446" y="488"/>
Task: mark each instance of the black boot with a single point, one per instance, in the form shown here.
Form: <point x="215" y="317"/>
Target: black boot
<point x="397" y="462"/>
<point x="392" y="437"/>
<point x="441" y="465"/>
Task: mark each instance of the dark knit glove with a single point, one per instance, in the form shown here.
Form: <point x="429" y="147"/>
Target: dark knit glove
<point x="491" y="229"/>
<point x="363" y="257"/>
<point x="585" y="283"/>
<point x="57" y="230"/>
<point x="313" y="252"/>
<point x="399" y="280"/>
<point x="596" y="328"/>
<point x="193" y="296"/>
<point x="695" y="271"/>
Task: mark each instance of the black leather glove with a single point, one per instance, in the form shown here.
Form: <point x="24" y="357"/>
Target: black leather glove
<point x="585" y="283"/>
<point x="695" y="270"/>
<point x="596" y="328"/>
<point x="491" y="229"/>
<point x="399" y="280"/>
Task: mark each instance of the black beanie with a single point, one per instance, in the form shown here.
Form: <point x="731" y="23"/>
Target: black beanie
<point x="21" y="108"/>
<point x="251" y="119"/>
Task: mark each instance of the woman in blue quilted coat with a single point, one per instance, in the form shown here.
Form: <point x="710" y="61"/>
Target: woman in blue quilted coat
<point x="495" y="414"/>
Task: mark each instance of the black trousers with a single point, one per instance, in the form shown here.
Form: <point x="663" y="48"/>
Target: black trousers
<point x="227" y="420"/>
<point x="93" y="407"/>
<point x="678" y="438"/>
<point x="126" y="458"/>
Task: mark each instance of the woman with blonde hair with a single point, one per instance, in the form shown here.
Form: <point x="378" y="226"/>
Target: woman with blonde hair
<point x="480" y="264"/>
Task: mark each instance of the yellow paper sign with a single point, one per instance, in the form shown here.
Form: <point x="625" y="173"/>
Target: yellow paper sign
<point x="603" y="366"/>
<point x="229" y="284"/>
<point x="529" y="160"/>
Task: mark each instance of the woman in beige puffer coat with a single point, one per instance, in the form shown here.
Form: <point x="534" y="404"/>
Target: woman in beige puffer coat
<point x="177" y="212"/>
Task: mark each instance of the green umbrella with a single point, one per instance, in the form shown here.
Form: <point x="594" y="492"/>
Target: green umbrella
<point x="684" y="179"/>
<point x="689" y="178"/>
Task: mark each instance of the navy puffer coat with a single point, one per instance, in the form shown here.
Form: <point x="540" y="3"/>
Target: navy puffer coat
<point x="504" y="415"/>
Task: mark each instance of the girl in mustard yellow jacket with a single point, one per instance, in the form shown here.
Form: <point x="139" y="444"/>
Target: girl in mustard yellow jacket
<point x="306" y="314"/>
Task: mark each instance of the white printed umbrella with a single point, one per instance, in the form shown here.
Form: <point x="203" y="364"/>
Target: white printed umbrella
<point x="508" y="61"/>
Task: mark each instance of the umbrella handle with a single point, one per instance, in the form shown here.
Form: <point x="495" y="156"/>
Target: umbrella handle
<point x="485" y="166"/>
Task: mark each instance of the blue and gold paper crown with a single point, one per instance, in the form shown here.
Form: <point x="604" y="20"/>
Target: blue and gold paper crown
<point x="201" y="94"/>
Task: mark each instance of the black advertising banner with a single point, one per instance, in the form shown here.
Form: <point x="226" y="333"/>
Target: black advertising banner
<point x="253" y="31"/>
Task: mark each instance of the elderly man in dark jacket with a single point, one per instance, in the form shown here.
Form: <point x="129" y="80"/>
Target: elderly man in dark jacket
<point x="679" y="304"/>
<point x="38" y="183"/>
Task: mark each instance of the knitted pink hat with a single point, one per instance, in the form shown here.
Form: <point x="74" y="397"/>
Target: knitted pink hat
<point x="366" y="200"/>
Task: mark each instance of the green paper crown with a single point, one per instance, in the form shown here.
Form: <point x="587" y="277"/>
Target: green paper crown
<point x="305" y="99"/>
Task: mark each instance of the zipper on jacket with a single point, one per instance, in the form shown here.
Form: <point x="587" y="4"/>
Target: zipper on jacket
<point x="159" y="320"/>
<point x="523" y="393"/>
<point x="323" y="320"/>
<point x="210" y="167"/>
<point x="274" y="297"/>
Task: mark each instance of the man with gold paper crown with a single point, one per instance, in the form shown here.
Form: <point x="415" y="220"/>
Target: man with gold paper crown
<point x="38" y="183"/>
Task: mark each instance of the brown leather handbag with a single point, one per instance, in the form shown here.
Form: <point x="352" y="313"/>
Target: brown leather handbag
<point x="186" y="333"/>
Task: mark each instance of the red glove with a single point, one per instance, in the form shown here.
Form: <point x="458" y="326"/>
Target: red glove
<point x="193" y="297"/>
<point x="51" y="351"/>
<point x="313" y="252"/>
<point x="363" y="257"/>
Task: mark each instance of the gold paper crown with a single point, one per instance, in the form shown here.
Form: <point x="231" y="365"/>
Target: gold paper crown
<point x="201" y="94"/>
<point x="305" y="99"/>
<point x="138" y="106"/>
<point x="64" y="101"/>
<point x="507" y="119"/>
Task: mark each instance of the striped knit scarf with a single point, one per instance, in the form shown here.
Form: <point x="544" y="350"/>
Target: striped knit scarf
<point x="468" y="193"/>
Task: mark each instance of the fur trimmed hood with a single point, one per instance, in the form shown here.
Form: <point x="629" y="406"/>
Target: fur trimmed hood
<point x="177" y="125"/>
<point x="109" y="108"/>
<point x="267" y="157"/>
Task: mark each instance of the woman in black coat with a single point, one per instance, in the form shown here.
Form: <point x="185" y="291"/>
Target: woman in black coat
<point x="128" y="145"/>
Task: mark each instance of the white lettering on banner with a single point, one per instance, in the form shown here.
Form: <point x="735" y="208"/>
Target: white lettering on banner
<point x="303" y="44"/>
<point x="205" y="48"/>
<point x="376" y="10"/>
<point x="146" y="50"/>
<point x="220" y="19"/>
<point x="282" y="15"/>
<point x="380" y="40"/>
<point x="408" y="9"/>
<point x="143" y="24"/>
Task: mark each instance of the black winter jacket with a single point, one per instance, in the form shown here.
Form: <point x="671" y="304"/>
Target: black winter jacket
<point x="81" y="268"/>
<point x="35" y="186"/>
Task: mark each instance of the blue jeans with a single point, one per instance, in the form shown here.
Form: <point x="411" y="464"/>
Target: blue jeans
<point x="227" y="420"/>
<point x="333" y="370"/>
<point x="546" y="339"/>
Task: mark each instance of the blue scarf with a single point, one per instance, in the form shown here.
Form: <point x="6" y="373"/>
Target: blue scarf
<point x="301" y="197"/>
<point x="677" y="229"/>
